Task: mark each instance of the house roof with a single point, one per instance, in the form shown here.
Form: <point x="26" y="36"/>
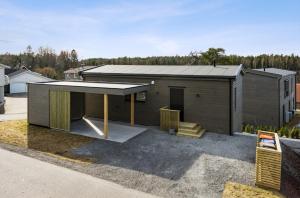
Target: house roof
<point x="5" y="66"/>
<point x="219" y="71"/>
<point x="21" y="71"/>
<point x="78" y="69"/>
<point x="281" y="72"/>
<point x="97" y="87"/>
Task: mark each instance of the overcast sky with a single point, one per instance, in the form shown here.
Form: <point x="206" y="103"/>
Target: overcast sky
<point x="151" y="28"/>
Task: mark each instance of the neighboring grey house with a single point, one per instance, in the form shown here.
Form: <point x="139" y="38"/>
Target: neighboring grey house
<point x="269" y="96"/>
<point x="18" y="80"/>
<point x="208" y="95"/>
<point x="73" y="74"/>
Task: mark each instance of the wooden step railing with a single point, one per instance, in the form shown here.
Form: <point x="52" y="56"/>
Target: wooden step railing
<point x="169" y="119"/>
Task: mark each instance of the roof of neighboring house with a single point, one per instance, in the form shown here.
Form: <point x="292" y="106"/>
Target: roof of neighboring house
<point x="5" y="66"/>
<point x="281" y="72"/>
<point x="21" y="71"/>
<point x="219" y="71"/>
<point x="78" y="69"/>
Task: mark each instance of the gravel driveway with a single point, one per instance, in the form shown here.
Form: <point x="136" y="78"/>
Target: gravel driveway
<point x="172" y="166"/>
<point x="165" y="165"/>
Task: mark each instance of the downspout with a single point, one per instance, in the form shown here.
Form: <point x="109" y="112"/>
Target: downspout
<point x="230" y="107"/>
<point x="295" y="93"/>
<point x="279" y="105"/>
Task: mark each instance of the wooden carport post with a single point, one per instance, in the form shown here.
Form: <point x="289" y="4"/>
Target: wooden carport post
<point x="105" y="116"/>
<point x="132" y="110"/>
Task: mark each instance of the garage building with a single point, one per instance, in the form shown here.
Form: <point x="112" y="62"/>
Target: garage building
<point x="18" y="80"/>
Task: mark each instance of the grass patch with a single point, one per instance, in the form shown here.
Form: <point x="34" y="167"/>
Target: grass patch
<point x="53" y="142"/>
<point x="234" y="190"/>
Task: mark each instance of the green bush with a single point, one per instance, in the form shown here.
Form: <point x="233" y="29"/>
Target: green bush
<point x="282" y="132"/>
<point x="294" y="133"/>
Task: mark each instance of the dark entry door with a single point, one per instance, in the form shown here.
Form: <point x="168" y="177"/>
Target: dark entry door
<point x="177" y="101"/>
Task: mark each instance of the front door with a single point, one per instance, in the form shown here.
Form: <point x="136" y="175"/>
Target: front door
<point x="177" y="100"/>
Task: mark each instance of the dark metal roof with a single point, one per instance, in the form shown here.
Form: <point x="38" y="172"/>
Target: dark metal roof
<point x="281" y="72"/>
<point x="220" y="71"/>
<point x="96" y="87"/>
<point x="79" y="69"/>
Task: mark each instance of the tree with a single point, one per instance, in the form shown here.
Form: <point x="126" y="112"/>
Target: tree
<point x="47" y="71"/>
<point x="63" y="61"/>
<point x="74" y="59"/>
<point x="212" y="55"/>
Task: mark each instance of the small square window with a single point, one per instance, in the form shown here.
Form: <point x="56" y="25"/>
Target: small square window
<point x="138" y="97"/>
<point x="141" y="96"/>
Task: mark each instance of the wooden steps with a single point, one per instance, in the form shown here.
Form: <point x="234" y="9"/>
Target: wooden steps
<point x="189" y="129"/>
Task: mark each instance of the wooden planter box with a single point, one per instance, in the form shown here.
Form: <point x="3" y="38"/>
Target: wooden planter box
<point x="268" y="163"/>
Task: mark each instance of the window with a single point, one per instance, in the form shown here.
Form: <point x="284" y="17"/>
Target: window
<point x="286" y="88"/>
<point x="235" y="99"/>
<point x="138" y="97"/>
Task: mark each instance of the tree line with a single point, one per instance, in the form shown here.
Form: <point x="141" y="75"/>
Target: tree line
<point x="52" y="65"/>
<point x="44" y="61"/>
<point x="290" y="62"/>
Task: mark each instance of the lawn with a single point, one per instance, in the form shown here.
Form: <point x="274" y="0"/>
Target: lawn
<point x="235" y="190"/>
<point x="53" y="142"/>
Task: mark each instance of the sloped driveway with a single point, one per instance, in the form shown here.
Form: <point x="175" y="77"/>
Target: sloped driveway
<point x="15" y="107"/>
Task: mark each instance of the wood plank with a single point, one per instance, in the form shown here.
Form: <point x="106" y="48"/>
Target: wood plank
<point x="60" y="110"/>
<point x="132" y="110"/>
<point x="105" y="116"/>
<point x="188" y="125"/>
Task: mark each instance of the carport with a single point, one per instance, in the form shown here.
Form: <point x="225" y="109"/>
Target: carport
<point x="61" y="93"/>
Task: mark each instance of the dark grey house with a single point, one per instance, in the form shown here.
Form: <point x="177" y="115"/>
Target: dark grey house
<point x="269" y="96"/>
<point x="208" y="95"/>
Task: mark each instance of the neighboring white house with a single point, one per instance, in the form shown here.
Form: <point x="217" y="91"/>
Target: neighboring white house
<point x="18" y="80"/>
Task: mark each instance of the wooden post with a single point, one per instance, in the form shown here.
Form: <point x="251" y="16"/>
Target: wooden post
<point x="105" y="116"/>
<point x="132" y="110"/>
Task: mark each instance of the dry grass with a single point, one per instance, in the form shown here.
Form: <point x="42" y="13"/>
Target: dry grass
<point x="235" y="190"/>
<point x="53" y="142"/>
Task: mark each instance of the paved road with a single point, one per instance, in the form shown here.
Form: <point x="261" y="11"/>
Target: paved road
<point x="22" y="176"/>
<point x="15" y="107"/>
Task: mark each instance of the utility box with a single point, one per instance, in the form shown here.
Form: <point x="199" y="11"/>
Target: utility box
<point x="268" y="160"/>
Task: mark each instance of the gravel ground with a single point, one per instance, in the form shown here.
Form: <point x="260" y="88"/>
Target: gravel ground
<point x="165" y="165"/>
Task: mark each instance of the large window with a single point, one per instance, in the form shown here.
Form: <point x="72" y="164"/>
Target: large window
<point x="286" y="88"/>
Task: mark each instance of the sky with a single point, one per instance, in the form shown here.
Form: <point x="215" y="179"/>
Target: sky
<point x="115" y="28"/>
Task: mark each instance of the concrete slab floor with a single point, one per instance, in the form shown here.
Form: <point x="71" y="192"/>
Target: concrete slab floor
<point x="93" y="127"/>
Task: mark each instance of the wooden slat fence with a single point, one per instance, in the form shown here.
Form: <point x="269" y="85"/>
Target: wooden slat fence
<point x="169" y="119"/>
<point x="60" y="110"/>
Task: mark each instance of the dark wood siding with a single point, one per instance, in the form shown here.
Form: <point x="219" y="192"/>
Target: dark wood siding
<point x="261" y="102"/>
<point x="38" y="104"/>
<point x="205" y="102"/>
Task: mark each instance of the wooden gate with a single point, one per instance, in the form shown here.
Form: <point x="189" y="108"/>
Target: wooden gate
<point x="169" y="119"/>
<point x="60" y="110"/>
